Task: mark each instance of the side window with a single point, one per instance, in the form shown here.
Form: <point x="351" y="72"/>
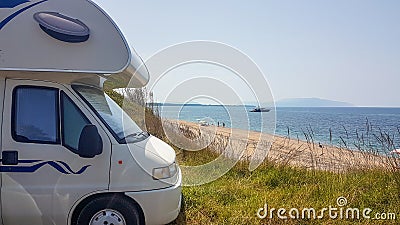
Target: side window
<point x="72" y="122"/>
<point x="35" y="115"/>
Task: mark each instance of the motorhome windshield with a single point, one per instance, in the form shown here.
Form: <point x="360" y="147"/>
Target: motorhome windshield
<point x="124" y="129"/>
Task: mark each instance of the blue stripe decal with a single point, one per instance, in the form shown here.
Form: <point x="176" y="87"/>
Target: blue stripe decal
<point x="70" y="170"/>
<point x="10" y="17"/>
<point x="28" y="161"/>
<point x="60" y="166"/>
<point x="11" y="3"/>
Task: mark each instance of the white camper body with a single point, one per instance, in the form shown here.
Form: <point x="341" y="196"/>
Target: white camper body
<point x="69" y="154"/>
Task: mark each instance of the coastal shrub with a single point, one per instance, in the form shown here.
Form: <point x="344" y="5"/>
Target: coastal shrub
<point x="280" y="182"/>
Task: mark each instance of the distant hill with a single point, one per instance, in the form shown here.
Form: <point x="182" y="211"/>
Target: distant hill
<point x="311" y="102"/>
<point x="192" y="104"/>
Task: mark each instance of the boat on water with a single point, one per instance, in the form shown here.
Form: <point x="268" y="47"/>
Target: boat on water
<point x="258" y="109"/>
<point x="202" y="122"/>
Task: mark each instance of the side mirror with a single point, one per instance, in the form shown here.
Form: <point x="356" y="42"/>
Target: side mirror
<point x="90" y="143"/>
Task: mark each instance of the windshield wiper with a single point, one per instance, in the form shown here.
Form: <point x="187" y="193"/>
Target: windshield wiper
<point x="135" y="135"/>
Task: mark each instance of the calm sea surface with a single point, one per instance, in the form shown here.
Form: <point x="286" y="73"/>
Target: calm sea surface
<point x="352" y="127"/>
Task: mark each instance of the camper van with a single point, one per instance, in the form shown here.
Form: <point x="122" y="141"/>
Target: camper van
<point x="69" y="153"/>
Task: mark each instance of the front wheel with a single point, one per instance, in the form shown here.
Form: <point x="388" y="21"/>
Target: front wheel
<point x="109" y="210"/>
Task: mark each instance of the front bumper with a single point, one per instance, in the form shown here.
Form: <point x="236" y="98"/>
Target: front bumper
<point x="160" y="206"/>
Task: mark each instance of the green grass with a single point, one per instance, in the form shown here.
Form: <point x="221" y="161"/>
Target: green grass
<point x="236" y="197"/>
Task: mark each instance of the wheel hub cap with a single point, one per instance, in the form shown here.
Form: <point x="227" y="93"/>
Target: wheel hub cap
<point x="107" y="217"/>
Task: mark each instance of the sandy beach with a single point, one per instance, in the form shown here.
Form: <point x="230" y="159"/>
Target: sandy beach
<point x="284" y="150"/>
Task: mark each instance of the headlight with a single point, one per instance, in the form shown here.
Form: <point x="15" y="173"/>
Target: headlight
<point x="164" y="172"/>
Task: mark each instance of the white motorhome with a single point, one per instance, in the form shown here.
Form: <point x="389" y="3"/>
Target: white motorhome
<point x="69" y="154"/>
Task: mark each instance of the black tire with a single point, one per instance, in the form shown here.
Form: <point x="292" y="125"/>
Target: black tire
<point x="120" y="205"/>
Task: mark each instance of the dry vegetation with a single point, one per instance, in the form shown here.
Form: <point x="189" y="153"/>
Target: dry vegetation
<point x="284" y="150"/>
<point x="295" y="173"/>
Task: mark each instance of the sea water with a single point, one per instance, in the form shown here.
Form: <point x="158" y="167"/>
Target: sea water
<point x="352" y="127"/>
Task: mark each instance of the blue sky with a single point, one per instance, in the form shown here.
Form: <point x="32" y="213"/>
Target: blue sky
<point x="345" y="50"/>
